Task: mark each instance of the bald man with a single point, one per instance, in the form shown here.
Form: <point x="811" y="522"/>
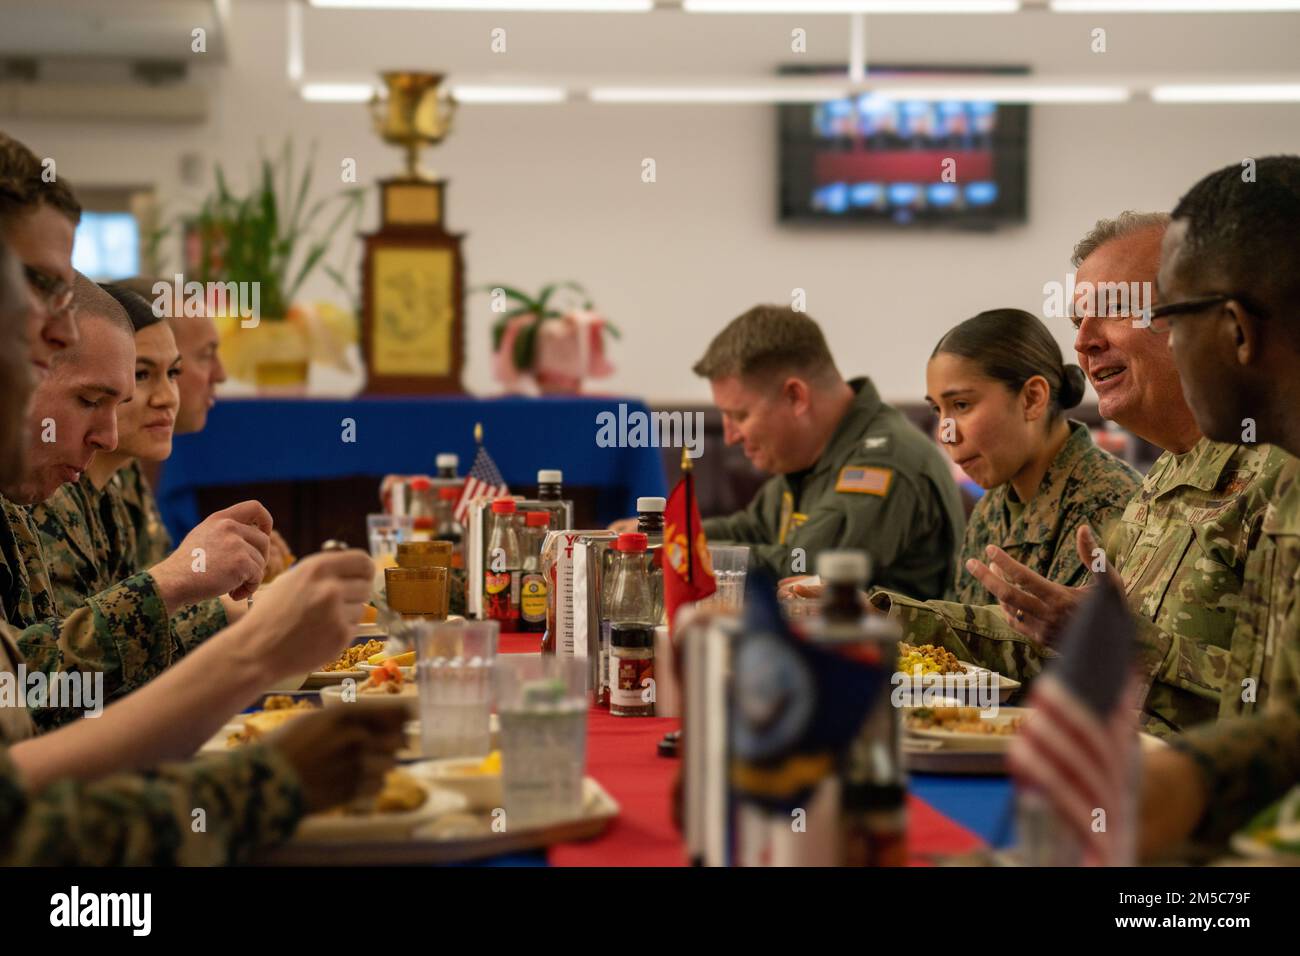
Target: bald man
<point x="123" y="632"/>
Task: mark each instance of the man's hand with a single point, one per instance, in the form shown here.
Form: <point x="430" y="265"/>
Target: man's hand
<point x="1033" y="605"/>
<point x="342" y="752"/>
<point x="799" y="586"/>
<point x="312" y="612"/>
<point x="225" y="554"/>
<point x="623" y="526"/>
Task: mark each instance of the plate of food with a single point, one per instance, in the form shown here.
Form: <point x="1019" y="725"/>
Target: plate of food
<point x="403" y="805"/>
<point x="1274" y="834"/>
<point x="966" y="728"/>
<point x="346" y="664"/>
<point x="276" y="710"/>
<point x="403" y="659"/>
<point x="478" y="779"/>
<point x="958" y="677"/>
<point x="382" y="685"/>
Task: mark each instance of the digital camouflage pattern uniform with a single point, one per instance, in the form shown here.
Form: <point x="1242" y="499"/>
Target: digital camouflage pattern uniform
<point x="89" y="544"/>
<point x="251" y="798"/>
<point x="122" y="632"/>
<point x="1084" y="484"/>
<point x="1181" y="548"/>
<point x="1251" y="757"/>
<point x="152" y="541"/>
<point x="881" y="486"/>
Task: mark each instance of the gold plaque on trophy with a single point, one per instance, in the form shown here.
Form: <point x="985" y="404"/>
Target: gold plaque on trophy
<point x="413" y="291"/>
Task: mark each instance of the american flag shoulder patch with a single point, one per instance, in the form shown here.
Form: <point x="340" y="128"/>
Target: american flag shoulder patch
<point x="865" y="481"/>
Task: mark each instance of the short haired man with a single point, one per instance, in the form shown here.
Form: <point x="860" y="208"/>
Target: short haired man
<point x="849" y="471"/>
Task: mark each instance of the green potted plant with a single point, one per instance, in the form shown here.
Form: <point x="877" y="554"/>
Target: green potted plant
<point x="556" y="338"/>
<point x="274" y="238"/>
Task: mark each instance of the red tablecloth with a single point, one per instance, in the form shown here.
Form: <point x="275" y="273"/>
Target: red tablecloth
<point x="622" y="754"/>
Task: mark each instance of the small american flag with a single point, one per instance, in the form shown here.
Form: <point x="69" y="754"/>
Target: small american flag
<point x="1077" y="751"/>
<point x="483" y="480"/>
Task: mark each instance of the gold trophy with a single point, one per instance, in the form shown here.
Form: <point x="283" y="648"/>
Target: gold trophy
<point x="412" y="320"/>
<point x="414" y="113"/>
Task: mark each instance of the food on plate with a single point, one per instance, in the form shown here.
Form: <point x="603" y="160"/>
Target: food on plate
<point x="385" y="679"/>
<point x="929" y="658"/>
<point x="401" y="793"/>
<point x="962" y="720"/>
<point x="285" y="702"/>
<point x="405" y="659"/>
<point x="489" y="766"/>
<point x="353" y="656"/>
<point x="261" y="722"/>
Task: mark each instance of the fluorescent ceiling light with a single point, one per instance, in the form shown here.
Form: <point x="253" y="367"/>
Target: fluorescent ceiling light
<point x="508" y="94"/>
<point x="520" y="6"/>
<point x="717" y="94"/>
<point x="1227" y="93"/>
<point x="850" y="6"/>
<point x="1007" y="93"/>
<point x="1174" y="6"/>
<point x="337" y="92"/>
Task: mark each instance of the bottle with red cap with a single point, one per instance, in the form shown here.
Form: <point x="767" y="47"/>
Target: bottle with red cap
<point x="421" y="508"/>
<point x="532" y="588"/>
<point x="504" y="567"/>
<point x="628" y="622"/>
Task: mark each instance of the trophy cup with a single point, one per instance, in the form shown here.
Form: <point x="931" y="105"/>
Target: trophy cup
<point x="412" y="287"/>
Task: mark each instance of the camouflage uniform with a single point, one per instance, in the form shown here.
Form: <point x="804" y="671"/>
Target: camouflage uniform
<point x="880" y="485"/>
<point x="1181" y="548"/>
<point x="150" y="538"/>
<point x="89" y="545"/>
<point x="1084" y="485"/>
<point x="251" y="798"/>
<point x="1251" y="757"/>
<point x="122" y="632"/>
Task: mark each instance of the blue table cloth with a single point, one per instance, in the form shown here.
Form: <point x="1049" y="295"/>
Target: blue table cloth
<point x="291" y="439"/>
<point x="982" y="805"/>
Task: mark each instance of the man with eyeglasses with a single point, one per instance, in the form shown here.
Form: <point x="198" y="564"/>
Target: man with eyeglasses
<point x="1182" y="544"/>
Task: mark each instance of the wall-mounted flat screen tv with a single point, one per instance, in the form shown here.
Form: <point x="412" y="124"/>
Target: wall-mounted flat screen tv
<point x="872" y="160"/>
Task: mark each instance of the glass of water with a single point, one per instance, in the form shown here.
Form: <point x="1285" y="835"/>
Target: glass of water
<point x="542" y="704"/>
<point x="730" y="565"/>
<point x="454" y="665"/>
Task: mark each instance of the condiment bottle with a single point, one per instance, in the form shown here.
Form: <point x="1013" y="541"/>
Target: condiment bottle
<point x="650" y="522"/>
<point x="533" y="586"/>
<point x="504" y="565"/>
<point x="420" y="508"/>
<point x="630" y="614"/>
<point x="873" y="788"/>
<point x="550" y="492"/>
<point x="447" y="464"/>
<point x="446" y="527"/>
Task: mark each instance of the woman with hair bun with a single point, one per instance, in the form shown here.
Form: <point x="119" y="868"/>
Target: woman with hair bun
<point x="1001" y="390"/>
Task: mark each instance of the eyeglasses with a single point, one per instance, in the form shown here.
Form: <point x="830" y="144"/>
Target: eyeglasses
<point x="56" y="293"/>
<point x="1162" y="315"/>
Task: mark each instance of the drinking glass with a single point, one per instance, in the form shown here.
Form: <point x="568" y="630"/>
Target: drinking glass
<point x="542" y="704"/>
<point x="730" y="565"/>
<point x="453" y="669"/>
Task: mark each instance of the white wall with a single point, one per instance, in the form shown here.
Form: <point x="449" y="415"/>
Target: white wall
<point x="554" y="192"/>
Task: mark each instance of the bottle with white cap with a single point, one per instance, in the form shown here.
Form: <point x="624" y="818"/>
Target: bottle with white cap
<point x="650" y="522"/>
<point x="872" y="783"/>
<point x="447" y="464"/>
<point x="550" y="491"/>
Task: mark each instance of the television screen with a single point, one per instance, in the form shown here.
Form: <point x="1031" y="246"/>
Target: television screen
<point x="868" y="159"/>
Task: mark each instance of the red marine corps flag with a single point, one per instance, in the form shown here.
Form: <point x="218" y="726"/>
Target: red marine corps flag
<point x="688" y="576"/>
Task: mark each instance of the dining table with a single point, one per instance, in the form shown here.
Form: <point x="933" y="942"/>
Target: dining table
<point x="946" y="815"/>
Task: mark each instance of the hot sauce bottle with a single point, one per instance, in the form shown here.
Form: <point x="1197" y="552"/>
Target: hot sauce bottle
<point x="504" y="567"/>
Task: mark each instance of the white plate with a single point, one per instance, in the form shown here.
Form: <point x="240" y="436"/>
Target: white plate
<point x="482" y="791"/>
<point x="986" y="743"/>
<point x="319" y="828"/>
<point x="408" y="697"/>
